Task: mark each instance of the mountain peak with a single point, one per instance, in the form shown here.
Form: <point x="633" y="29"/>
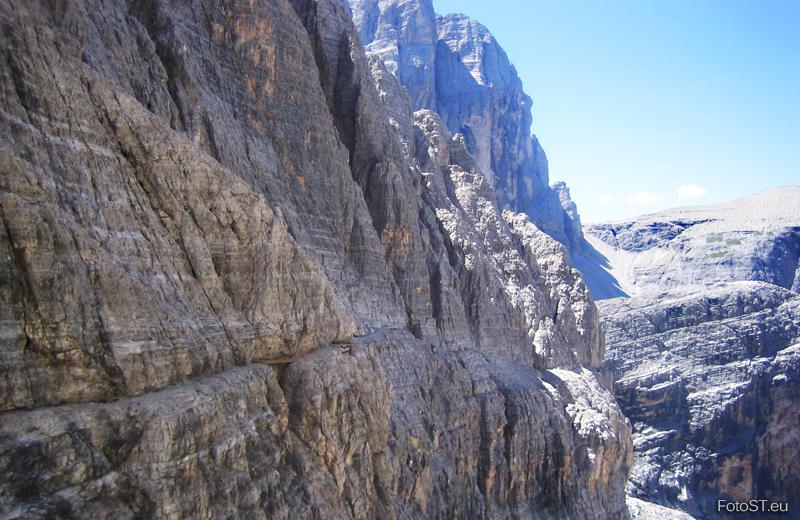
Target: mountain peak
<point x="453" y="65"/>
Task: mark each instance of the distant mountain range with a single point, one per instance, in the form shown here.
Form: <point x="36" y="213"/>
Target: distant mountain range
<point x="704" y="347"/>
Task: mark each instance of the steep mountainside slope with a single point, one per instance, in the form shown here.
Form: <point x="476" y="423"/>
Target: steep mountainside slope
<point x="455" y="67"/>
<point x="241" y="278"/>
<point x="706" y="351"/>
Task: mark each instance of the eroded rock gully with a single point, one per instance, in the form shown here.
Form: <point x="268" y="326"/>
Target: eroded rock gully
<point x="188" y="187"/>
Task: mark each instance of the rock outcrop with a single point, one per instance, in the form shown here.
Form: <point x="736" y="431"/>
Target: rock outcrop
<point x="706" y="351"/>
<point x="240" y="277"/>
<point x="454" y="66"/>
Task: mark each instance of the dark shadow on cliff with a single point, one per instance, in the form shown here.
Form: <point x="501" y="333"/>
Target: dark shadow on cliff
<point x="594" y="267"/>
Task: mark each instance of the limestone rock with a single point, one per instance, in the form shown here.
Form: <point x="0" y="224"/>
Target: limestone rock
<point x="455" y="67"/>
<point x="705" y="351"/>
<point x="401" y="34"/>
<point x="754" y="238"/>
<point x="641" y="510"/>
<point x="514" y="272"/>
<point x="132" y="259"/>
<point x="241" y="278"/>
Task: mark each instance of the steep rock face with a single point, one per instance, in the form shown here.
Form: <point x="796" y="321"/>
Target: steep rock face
<point x="132" y="259"/>
<point x="705" y="352"/>
<point x="395" y="428"/>
<point x="245" y="106"/>
<point x="380" y="163"/>
<point x="572" y="234"/>
<point x="191" y="188"/>
<point x="454" y="66"/>
<point x="402" y="34"/>
<point x="232" y="444"/>
<point x="507" y="265"/>
<point x="481" y="436"/>
<point x="699" y="376"/>
<point x="481" y="97"/>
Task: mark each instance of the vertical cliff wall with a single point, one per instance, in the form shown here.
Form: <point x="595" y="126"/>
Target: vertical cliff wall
<point x="454" y="66"/>
<point x="241" y="277"/>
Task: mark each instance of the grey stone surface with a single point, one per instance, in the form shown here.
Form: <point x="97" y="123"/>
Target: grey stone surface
<point x="754" y="238"/>
<point x="706" y="351"/>
<point x="512" y="272"/>
<point x="454" y="66"/>
<point x="402" y="34"/>
<point x="132" y="258"/>
<point x="395" y="429"/>
<point x="241" y="278"/>
<point x="641" y="510"/>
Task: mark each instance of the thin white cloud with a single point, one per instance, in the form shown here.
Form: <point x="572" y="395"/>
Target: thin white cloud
<point x="607" y="199"/>
<point x="691" y="191"/>
<point x="644" y="198"/>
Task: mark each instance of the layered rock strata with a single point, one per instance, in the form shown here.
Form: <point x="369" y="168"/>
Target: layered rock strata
<point x="242" y="278"/>
<point x="706" y="351"/>
<point x="454" y="66"/>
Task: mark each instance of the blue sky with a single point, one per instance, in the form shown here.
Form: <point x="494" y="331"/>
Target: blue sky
<point x="643" y="105"/>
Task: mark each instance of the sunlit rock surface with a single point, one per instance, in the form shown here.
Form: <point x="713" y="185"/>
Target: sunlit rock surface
<point x="453" y="65"/>
<point x="242" y="278"/>
<point x="706" y="351"/>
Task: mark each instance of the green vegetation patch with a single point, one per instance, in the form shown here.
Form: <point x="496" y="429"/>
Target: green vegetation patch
<point x="713" y="239"/>
<point x="719" y="254"/>
<point x="733" y="242"/>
